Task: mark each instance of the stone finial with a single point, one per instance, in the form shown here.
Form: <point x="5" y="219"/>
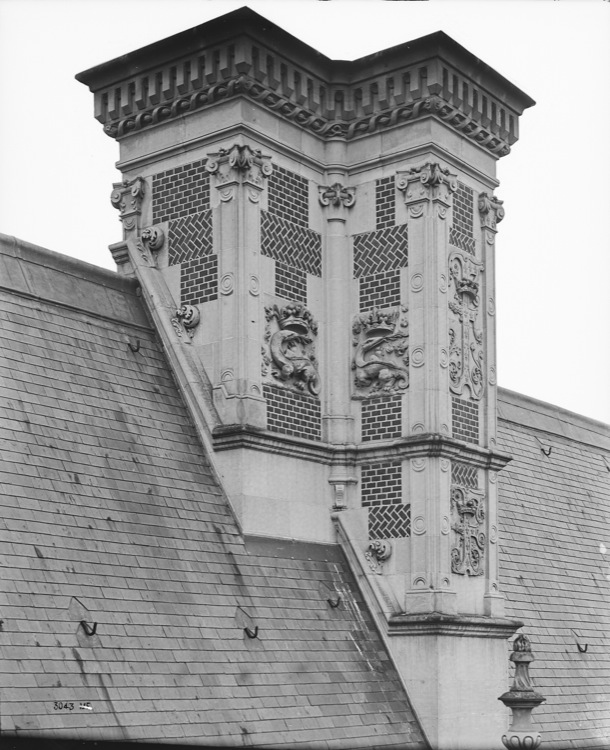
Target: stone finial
<point x="522" y="699"/>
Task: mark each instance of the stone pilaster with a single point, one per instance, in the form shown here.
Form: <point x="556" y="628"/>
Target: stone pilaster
<point x="491" y="212"/>
<point x="428" y="191"/>
<point x="337" y="200"/>
<point x="238" y="177"/>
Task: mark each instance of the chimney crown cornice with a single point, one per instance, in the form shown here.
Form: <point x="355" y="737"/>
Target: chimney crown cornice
<point x="243" y="54"/>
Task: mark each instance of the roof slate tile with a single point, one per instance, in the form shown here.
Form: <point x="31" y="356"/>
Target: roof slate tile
<point x="554" y="514"/>
<point x="120" y="509"/>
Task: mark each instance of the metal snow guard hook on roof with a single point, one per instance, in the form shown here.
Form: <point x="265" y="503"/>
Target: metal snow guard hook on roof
<point x="89" y="629"/>
<point x="245" y="621"/>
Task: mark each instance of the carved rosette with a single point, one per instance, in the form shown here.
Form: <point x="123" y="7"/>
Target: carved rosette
<point x="465" y="335"/>
<point x="336" y="195"/>
<point x="467" y="522"/>
<point x="428" y="182"/>
<point x="381" y="352"/>
<point x="239" y="164"/>
<point x="289" y="355"/>
<point x="127" y="198"/>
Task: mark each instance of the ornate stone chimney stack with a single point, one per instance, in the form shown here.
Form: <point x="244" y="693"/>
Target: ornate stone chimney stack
<point x="331" y="226"/>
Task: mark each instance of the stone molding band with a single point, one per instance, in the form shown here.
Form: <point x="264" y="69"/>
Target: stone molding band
<point x="232" y="437"/>
<point x="458" y="625"/>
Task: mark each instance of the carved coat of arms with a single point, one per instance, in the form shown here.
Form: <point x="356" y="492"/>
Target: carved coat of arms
<point x="289" y="355"/>
<point x="381" y="352"/>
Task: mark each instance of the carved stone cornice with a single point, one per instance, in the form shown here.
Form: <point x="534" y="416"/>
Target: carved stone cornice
<point x="336" y="195"/>
<point x="244" y="55"/>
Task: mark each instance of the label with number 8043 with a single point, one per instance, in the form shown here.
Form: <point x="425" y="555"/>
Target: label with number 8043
<point x="61" y="706"/>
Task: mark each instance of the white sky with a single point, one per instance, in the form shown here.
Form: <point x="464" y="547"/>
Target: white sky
<point x="553" y="267"/>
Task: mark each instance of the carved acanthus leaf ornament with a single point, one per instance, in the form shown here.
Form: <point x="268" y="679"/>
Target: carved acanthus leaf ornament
<point x="290" y="355"/>
<point x="465" y="337"/>
<point x="467" y="522"/>
<point x="381" y="352"/>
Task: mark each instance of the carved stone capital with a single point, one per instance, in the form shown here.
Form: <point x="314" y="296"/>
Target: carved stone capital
<point x="337" y="195"/>
<point x="127" y="198"/>
<point x="427" y="182"/>
<point x="239" y="164"/>
<point x="491" y="211"/>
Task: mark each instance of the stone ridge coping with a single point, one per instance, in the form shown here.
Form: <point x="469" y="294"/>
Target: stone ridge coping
<point x="539" y="415"/>
<point x="245" y="21"/>
<point x="35" y="272"/>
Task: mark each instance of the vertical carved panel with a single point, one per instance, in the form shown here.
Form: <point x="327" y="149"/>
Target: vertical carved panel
<point x="465" y="333"/>
<point x="467" y="523"/>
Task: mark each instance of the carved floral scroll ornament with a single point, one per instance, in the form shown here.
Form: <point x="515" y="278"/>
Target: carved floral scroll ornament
<point x="290" y="353"/>
<point x="149" y="243"/>
<point x="381" y="354"/>
<point x="467" y="519"/>
<point x="186" y="319"/>
<point x="465" y="338"/>
<point x="377" y="553"/>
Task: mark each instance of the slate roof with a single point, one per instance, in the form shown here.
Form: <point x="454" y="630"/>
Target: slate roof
<point x="111" y="515"/>
<point x="555" y="562"/>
